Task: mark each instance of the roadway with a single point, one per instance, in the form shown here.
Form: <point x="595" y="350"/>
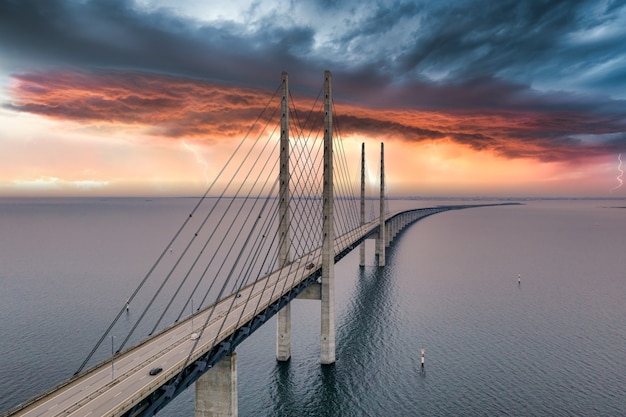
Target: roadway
<point x="102" y="391"/>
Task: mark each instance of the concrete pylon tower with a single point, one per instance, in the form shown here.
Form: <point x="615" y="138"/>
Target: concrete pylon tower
<point x="362" y="245"/>
<point x="381" y="233"/>
<point x="283" y="327"/>
<point x="327" y="354"/>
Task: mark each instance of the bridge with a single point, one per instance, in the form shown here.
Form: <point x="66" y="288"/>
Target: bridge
<point x="251" y="252"/>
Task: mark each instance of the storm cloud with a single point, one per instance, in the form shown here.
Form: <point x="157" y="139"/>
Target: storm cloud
<point x="548" y="72"/>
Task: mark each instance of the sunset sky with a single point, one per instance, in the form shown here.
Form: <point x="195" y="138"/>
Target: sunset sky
<point x="514" y="98"/>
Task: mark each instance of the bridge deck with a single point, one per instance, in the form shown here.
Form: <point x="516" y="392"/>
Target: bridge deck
<point x="97" y="393"/>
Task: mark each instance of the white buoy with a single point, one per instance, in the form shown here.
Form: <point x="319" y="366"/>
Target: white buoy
<point x="519" y="279"/>
<point x="127" y="304"/>
<point x="422" y="357"/>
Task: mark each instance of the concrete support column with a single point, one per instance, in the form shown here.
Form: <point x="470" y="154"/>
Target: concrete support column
<point x="283" y="334"/>
<point x="394" y="228"/>
<point x="362" y="245"/>
<point x="327" y="352"/>
<point x="388" y="232"/>
<point x="216" y="390"/>
<point x="396" y="225"/>
<point x="283" y="318"/>
<point x="380" y="243"/>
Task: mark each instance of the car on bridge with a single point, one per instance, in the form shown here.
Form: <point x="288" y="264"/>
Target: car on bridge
<point x="310" y="266"/>
<point x="155" y="371"/>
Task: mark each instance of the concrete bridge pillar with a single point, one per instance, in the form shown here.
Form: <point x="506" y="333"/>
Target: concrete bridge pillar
<point x="327" y="351"/>
<point x="216" y="390"/>
<point x="362" y="245"/>
<point x="380" y="242"/>
<point x="388" y="232"/>
<point x="283" y="318"/>
<point x="394" y="227"/>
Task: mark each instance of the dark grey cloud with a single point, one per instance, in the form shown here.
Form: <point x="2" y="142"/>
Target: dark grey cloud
<point x="113" y="34"/>
<point x="488" y="37"/>
<point x="506" y="55"/>
<point x="403" y="42"/>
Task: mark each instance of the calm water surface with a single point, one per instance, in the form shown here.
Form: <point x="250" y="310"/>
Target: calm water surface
<point x="555" y="345"/>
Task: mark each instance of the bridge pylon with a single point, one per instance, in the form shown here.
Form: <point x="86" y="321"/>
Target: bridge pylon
<point x="327" y="351"/>
<point x="283" y="322"/>
<point x="362" y="210"/>
<point x="381" y="241"/>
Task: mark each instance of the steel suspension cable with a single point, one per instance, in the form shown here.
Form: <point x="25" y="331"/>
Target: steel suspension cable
<point x="209" y="317"/>
<point x="351" y="213"/>
<point x="207" y="242"/>
<point x="241" y="206"/>
<point x="160" y="288"/>
<point x="211" y="237"/>
<point x="304" y="180"/>
<point x="172" y="240"/>
<point x="275" y="287"/>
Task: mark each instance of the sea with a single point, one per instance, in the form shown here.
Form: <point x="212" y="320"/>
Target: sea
<point x="520" y="310"/>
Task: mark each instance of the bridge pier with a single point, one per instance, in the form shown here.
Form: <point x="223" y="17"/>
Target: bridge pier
<point x="283" y="334"/>
<point x="327" y="345"/>
<point x="381" y="241"/>
<point x="388" y="232"/>
<point x="362" y="213"/>
<point x="216" y="390"/>
<point x="283" y="318"/>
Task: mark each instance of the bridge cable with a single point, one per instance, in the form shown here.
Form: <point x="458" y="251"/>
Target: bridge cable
<point x="286" y="283"/>
<point x="209" y="264"/>
<point x="225" y="284"/>
<point x="304" y="180"/>
<point x="275" y="287"/>
<point x="176" y="235"/>
<point x="221" y="292"/>
<point x="247" y="241"/>
<point x="175" y="266"/>
<point x="230" y="228"/>
<point x="209" y="240"/>
<point x="275" y="254"/>
<point x="346" y="207"/>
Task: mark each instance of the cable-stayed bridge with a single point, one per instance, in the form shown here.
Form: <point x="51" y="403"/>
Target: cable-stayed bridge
<point x="267" y="230"/>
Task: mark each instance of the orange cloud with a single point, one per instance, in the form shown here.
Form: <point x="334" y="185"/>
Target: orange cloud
<point x="178" y="107"/>
<point x="165" y="106"/>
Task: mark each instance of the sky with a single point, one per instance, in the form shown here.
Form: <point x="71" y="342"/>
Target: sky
<point x="508" y="98"/>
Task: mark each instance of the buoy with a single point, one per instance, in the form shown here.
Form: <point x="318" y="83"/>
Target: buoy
<point x="519" y="279"/>
<point x="422" y="357"/>
<point x="127" y="304"/>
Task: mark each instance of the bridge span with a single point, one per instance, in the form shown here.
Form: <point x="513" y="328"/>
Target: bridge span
<point x="124" y="386"/>
<point x="201" y="347"/>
